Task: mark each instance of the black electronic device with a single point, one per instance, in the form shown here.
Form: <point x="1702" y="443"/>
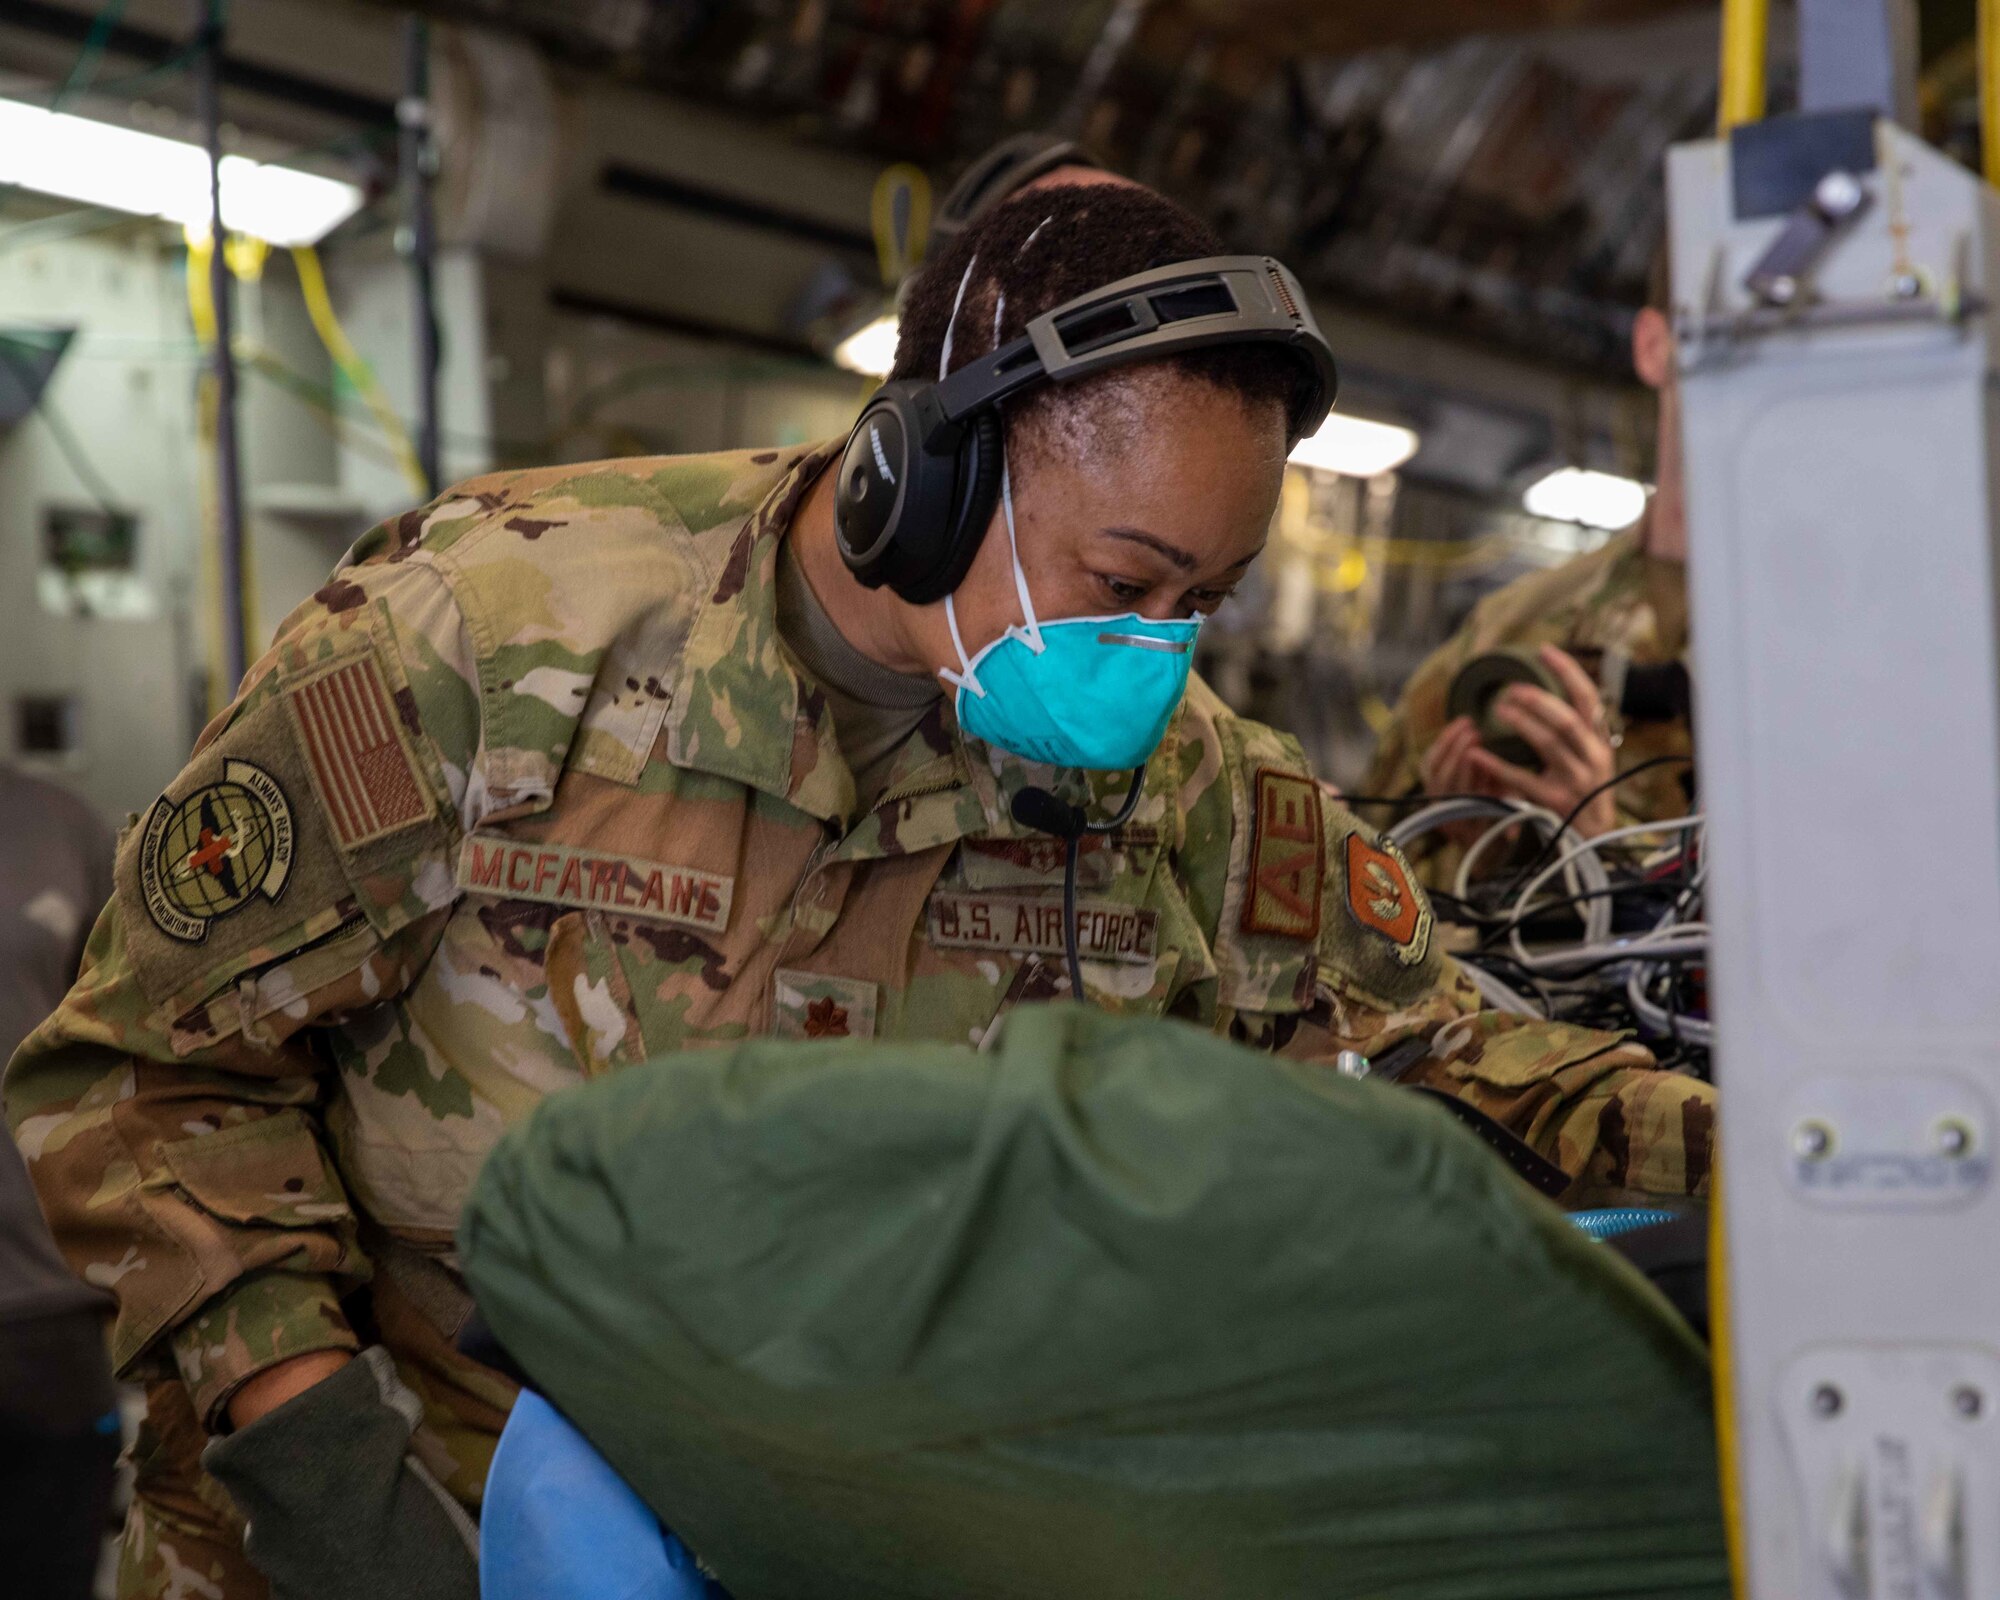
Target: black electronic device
<point x="1651" y="692"/>
<point x="1657" y="692"/>
<point x="1475" y="693"/>
<point x="921" y="471"/>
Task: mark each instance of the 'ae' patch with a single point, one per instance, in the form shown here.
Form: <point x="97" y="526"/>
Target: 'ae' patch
<point x="215" y="851"/>
<point x="1384" y="900"/>
<point x="1287" y="857"/>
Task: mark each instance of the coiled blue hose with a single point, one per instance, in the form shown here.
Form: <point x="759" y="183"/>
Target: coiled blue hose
<point x="1616" y="1220"/>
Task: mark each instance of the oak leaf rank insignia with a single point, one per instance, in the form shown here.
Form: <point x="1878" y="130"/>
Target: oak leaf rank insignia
<point x="813" y="1005"/>
<point x="825" y="1019"/>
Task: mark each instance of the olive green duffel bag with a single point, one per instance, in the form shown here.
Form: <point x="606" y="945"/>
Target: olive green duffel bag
<point x="1115" y="1309"/>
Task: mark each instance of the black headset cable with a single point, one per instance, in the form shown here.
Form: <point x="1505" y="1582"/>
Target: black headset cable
<point x="1045" y="812"/>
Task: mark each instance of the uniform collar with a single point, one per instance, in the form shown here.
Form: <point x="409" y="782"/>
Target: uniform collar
<point x="967" y="791"/>
<point x="739" y="710"/>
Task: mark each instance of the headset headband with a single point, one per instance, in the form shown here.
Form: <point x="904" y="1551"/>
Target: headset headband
<point x="1001" y="172"/>
<point x="922" y="469"/>
<point x="1189" y="305"/>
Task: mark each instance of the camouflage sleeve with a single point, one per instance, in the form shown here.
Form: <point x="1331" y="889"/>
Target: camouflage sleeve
<point x="295" y="873"/>
<point x="1418" y="719"/>
<point x="1593" y="1103"/>
<point x="1325" y="943"/>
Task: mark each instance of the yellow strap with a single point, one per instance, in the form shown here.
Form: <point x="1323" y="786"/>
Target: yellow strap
<point x="201" y="304"/>
<point x="897" y="256"/>
<point x="201" y="313"/>
<point x="319" y="307"/>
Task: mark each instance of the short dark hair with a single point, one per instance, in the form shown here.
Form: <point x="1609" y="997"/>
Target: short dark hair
<point x="1048" y="246"/>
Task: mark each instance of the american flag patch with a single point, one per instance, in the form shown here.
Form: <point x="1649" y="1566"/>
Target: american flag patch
<point x="366" y="782"/>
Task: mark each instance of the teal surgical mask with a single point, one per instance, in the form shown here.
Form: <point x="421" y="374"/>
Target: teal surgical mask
<point x="1090" y="692"/>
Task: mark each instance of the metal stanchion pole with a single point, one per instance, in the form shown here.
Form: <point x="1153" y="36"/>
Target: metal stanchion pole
<point x="228" y="465"/>
<point x="419" y="165"/>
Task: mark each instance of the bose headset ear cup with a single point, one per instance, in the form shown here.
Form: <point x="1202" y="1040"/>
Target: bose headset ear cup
<point x="908" y="517"/>
<point x="865" y="504"/>
<point x="890" y="489"/>
<point x="977" y="489"/>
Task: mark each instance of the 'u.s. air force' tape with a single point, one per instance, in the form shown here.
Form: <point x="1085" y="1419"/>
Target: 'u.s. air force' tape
<point x="1033" y="925"/>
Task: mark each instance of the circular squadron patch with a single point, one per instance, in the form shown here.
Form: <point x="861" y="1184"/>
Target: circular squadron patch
<point x="215" y="851"/>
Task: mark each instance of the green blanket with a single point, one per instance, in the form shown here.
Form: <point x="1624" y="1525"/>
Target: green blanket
<point x="1115" y="1309"/>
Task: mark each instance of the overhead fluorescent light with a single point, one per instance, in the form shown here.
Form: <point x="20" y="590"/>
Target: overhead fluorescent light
<point x="122" y="169"/>
<point x="1355" y="446"/>
<point x="1596" y="499"/>
<point x="870" y="350"/>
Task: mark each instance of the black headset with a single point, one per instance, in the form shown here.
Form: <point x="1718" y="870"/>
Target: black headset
<point x="1009" y="167"/>
<point x="921" y="471"/>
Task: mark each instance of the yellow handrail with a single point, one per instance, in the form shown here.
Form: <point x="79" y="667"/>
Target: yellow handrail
<point x="201" y="316"/>
<point x="1728" y="1454"/>
<point x="1989" y="89"/>
<point x="1746" y="32"/>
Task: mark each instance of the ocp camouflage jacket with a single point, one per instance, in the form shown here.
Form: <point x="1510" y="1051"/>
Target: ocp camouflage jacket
<point x="530" y="791"/>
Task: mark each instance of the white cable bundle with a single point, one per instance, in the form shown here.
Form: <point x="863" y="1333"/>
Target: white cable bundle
<point x="1638" y="959"/>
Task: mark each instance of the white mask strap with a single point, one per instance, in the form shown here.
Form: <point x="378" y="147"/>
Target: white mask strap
<point x="1032" y="632"/>
<point x="944" y="356"/>
<point x="1031" y="629"/>
<point x="967" y="679"/>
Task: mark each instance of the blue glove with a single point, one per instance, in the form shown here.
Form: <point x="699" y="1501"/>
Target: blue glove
<point x="559" y="1524"/>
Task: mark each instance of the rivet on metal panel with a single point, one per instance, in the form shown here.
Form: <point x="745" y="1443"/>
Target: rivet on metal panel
<point x="1954" y="1137"/>
<point x="1839" y="194"/>
<point x="1812" y="1141"/>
